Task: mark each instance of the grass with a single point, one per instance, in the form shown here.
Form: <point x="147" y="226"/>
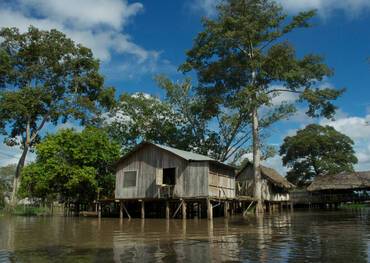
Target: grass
<point x="354" y="206"/>
<point x="30" y="211"/>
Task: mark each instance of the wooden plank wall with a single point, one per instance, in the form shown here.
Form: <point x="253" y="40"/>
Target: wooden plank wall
<point x="191" y="178"/>
<point x="221" y="182"/>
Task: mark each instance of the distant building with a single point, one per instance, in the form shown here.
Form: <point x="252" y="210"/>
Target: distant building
<point x="275" y="188"/>
<point x="341" y="182"/>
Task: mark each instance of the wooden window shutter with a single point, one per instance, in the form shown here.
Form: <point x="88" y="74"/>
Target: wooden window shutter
<point x="159" y="176"/>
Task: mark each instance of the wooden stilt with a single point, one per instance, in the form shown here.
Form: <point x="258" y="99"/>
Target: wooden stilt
<point x="199" y="210"/>
<point x="99" y="210"/>
<point x="184" y="210"/>
<point x="142" y="210"/>
<point x="167" y="210"/>
<point x="226" y="209"/>
<point x="209" y="209"/>
<point x="121" y="209"/>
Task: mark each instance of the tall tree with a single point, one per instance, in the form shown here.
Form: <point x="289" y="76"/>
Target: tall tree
<point x="243" y="60"/>
<point x="45" y="78"/>
<point x="317" y="150"/>
<point x="72" y="165"/>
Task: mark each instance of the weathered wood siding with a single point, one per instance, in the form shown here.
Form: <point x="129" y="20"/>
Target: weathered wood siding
<point x="221" y="182"/>
<point x="270" y="192"/>
<point x="191" y="177"/>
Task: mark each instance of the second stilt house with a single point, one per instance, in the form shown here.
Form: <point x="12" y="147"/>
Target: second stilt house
<point x="153" y="172"/>
<point x="275" y="188"/>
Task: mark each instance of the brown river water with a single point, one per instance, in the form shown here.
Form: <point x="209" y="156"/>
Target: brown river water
<point x="300" y="236"/>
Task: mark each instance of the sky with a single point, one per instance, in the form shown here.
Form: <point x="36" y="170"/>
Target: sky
<point x="136" y="40"/>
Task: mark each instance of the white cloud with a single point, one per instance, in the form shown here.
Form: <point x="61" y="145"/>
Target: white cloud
<point x="276" y="163"/>
<point x="206" y="7"/>
<point x="97" y="24"/>
<point x="11" y="155"/>
<point x="358" y="129"/>
<point x="324" y="7"/>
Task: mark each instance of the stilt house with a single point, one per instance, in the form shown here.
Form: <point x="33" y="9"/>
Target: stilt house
<point x="152" y="171"/>
<point x="167" y="179"/>
<point x="275" y="188"/>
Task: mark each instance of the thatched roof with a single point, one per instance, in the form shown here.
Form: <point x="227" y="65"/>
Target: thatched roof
<point x="274" y="177"/>
<point x="271" y="175"/>
<point x="341" y="181"/>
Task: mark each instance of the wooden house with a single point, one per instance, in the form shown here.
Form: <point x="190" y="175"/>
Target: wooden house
<point x="275" y="188"/>
<point x="153" y="172"/>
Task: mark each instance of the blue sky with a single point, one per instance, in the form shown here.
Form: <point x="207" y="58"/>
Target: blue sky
<point x="136" y="40"/>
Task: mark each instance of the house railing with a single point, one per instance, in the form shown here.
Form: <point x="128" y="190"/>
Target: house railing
<point x="166" y="191"/>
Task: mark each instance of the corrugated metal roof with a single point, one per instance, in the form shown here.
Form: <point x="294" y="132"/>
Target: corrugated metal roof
<point x="189" y="156"/>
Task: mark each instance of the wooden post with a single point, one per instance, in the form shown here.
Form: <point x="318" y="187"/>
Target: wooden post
<point x="99" y="210"/>
<point x="209" y="209"/>
<point x="167" y="210"/>
<point x="121" y="209"/>
<point x="199" y="209"/>
<point x="226" y="209"/>
<point x="142" y="210"/>
<point x="291" y="206"/>
<point x="183" y="209"/>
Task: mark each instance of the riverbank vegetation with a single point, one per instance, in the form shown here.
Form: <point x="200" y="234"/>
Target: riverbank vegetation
<point x="72" y="167"/>
<point x="316" y="150"/>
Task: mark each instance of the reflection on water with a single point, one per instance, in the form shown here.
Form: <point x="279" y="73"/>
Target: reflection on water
<point x="326" y="236"/>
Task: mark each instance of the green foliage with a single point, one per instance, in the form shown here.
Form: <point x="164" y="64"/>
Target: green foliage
<point x="243" y="60"/>
<point x="140" y="117"/>
<point x="6" y="177"/>
<point x="27" y="210"/>
<point x="72" y="165"/>
<point x="46" y="78"/>
<point x="317" y="150"/>
<point x="182" y="120"/>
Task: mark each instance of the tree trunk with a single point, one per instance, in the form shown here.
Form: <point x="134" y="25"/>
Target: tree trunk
<point x="17" y="177"/>
<point x="256" y="162"/>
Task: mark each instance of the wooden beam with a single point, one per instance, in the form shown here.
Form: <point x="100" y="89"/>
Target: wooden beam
<point x="125" y="209"/>
<point x="246" y="210"/>
<point x="177" y="209"/>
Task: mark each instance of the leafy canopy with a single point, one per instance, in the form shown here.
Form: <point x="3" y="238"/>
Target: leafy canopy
<point x="180" y="120"/>
<point x="46" y="77"/>
<point x="317" y="150"/>
<point x="243" y="60"/>
<point x="73" y="165"/>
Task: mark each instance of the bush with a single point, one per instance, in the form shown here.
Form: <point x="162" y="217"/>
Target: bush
<point x="31" y="211"/>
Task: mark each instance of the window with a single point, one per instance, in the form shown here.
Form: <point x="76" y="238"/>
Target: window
<point x="129" y="179"/>
<point x="169" y="176"/>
